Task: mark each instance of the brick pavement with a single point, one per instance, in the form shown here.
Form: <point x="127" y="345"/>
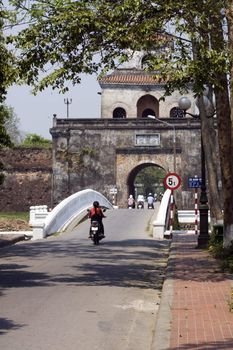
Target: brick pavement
<point x="200" y="316"/>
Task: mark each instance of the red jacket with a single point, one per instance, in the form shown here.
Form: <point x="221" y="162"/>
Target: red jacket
<point x="96" y="212"/>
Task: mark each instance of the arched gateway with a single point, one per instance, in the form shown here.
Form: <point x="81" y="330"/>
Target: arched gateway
<point x="131" y="181"/>
<point x="130" y="166"/>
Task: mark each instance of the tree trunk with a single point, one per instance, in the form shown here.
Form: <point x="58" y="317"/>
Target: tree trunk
<point x="224" y="137"/>
<point x="212" y="164"/>
<point x="224" y="116"/>
<point x="228" y="205"/>
<point x="211" y="160"/>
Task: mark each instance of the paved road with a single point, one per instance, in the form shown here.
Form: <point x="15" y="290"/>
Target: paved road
<point x="66" y="293"/>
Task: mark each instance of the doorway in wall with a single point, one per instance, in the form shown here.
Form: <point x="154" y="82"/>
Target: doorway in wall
<point x="146" y="178"/>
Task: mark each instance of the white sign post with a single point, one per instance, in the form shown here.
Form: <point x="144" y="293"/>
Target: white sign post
<point x="113" y="192"/>
<point x="172" y="181"/>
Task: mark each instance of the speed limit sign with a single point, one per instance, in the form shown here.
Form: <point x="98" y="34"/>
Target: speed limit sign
<point x="172" y="181"/>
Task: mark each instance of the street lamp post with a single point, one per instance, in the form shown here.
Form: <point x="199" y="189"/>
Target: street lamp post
<point x="203" y="238"/>
<point x="174" y="138"/>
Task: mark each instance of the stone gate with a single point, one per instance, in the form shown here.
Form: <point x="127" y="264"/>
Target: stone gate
<point x="108" y="152"/>
<point x="105" y="153"/>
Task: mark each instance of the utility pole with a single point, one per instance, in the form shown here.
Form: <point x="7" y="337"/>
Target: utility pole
<point x="67" y="102"/>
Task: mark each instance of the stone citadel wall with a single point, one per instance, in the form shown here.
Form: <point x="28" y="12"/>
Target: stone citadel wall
<point x="27" y="178"/>
<point x="99" y="154"/>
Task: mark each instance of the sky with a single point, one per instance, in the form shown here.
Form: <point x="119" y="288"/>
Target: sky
<point x="35" y="113"/>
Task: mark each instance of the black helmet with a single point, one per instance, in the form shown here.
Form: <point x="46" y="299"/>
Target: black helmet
<point x="96" y="204"/>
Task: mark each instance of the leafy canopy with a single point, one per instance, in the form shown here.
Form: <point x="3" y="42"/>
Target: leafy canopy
<point x="64" y="38"/>
<point x="7" y="72"/>
<point x="11" y="125"/>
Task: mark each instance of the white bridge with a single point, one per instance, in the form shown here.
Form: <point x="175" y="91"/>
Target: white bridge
<point x="67" y="214"/>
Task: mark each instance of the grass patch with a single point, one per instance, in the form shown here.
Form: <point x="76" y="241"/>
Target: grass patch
<point x="14" y="221"/>
<point x="15" y="215"/>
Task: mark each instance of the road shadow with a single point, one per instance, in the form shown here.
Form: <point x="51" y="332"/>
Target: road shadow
<point x="128" y="263"/>
<point x="7" y="325"/>
<point x="138" y="263"/>
<point x="14" y="278"/>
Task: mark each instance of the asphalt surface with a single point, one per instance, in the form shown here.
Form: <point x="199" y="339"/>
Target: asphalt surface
<point x="65" y="293"/>
<point x="11" y="238"/>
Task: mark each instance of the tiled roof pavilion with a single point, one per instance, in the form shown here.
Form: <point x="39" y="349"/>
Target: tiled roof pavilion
<point x="130" y="77"/>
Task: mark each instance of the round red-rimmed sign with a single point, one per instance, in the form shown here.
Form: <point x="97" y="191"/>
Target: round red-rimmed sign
<point x="172" y="181"/>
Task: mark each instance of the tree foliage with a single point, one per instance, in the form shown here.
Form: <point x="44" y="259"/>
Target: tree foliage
<point x="4" y="138"/>
<point x="66" y="38"/>
<point x="62" y="39"/>
<point x="5" y="78"/>
<point x="6" y="57"/>
<point x="34" y="140"/>
<point x="11" y="125"/>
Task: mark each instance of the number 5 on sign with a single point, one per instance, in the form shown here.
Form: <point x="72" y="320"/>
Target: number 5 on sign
<point x="172" y="181"/>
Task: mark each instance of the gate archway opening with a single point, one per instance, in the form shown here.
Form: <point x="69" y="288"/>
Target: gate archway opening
<point x="146" y="178"/>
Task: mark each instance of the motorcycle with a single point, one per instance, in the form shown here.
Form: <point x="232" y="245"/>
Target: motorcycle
<point x="96" y="230"/>
<point x="140" y="205"/>
<point x="150" y="206"/>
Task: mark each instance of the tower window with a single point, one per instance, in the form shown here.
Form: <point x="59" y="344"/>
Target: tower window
<point x="119" y="113"/>
<point x="176" y="112"/>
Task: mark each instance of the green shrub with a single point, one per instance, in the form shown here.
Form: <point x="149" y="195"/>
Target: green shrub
<point x="216" y="249"/>
<point x="34" y="140"/>
<point x="216" y="246"/>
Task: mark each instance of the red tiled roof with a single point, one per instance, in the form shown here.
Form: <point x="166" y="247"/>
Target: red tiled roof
<point x="132" y="79"/>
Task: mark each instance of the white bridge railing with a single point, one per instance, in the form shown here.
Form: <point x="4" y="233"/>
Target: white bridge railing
<point x="188" y="216"/>
<point x="160" y="224"/>
<point x="66" y="214"/>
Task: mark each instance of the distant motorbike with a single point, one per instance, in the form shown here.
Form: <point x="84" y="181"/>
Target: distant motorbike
<point x="150" y="206"/>
<point x="140" y="205"/>
<point x="95" y="232"/>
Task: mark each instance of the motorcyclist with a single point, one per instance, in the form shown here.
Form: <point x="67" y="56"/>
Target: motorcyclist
<point x="96" y="214"/>
<point x="140" y="201"/>
<point x="131" y="201"/>
<point x="150" y="200"/>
